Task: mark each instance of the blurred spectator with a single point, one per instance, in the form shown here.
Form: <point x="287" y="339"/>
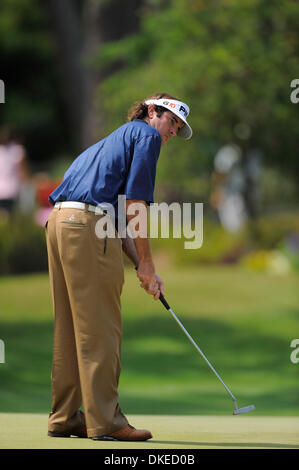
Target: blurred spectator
<point x="236" y="185"/>
<point x="13" y="170"/>
<point x="228" y="188"/>
<point x="44" y="186"/>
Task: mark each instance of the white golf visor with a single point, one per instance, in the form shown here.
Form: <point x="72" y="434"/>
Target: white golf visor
<point x="178" y="108"/>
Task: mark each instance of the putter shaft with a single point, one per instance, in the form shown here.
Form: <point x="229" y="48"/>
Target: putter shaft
<point x="203" y="356"/>
<point x="237" y="410"/>
<point x="166" y="305"/>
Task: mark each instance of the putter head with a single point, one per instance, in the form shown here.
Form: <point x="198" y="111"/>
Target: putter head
<point x="246" y="409"/>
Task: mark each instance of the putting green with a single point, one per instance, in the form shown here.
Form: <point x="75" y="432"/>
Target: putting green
<point x="29" y="431"/>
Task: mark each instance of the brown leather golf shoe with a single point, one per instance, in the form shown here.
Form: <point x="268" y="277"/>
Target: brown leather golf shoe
<point x="128" y="433"/>
<point x="78" y="432"/>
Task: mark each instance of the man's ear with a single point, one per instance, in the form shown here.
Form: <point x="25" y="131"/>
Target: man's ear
<point x="151" y="110"/>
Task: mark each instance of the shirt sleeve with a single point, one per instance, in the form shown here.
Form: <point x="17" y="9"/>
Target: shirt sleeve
<point x="140" y="183"/>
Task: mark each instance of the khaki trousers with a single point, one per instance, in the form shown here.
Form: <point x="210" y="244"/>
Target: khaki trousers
<point x="86" y="278"/>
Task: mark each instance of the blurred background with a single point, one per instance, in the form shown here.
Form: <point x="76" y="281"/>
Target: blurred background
<point x="71" y="70"/>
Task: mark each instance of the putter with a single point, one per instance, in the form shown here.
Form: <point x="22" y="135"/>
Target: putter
<point x="237" y="410"/>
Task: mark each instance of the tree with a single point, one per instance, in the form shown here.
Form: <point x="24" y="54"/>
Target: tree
<point x="27" y="69"/>
<point x="48" y="52"/>
<point x="80" y="29"/>
<point x="232" y="61"/>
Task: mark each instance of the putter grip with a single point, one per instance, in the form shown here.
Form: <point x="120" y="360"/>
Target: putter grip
<point x="162" y="299"/>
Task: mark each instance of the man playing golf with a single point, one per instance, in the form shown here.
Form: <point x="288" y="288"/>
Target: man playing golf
<point x="86" y="271"/>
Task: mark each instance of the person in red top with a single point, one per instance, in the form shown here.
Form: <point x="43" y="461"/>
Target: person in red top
<point x="44" y="186"/>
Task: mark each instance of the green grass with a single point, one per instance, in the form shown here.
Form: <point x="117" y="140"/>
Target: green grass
<point x="29" y="431"/>
<point x="243" y="321"/>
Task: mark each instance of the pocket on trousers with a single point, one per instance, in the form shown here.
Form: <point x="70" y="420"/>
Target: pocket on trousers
<point x="74" y="224"/>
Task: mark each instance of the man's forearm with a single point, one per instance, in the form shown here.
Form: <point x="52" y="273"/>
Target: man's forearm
<point x="141" y="252"/>
<point x="137" y="249"/>
<point x="129" y="249"/>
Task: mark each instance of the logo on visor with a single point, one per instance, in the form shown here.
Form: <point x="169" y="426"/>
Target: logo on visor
<point x="183" y="110"/>
<point x="171" y="105"/>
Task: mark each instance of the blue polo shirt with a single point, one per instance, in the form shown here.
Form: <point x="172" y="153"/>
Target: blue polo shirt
<point x="123" y="163"/>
